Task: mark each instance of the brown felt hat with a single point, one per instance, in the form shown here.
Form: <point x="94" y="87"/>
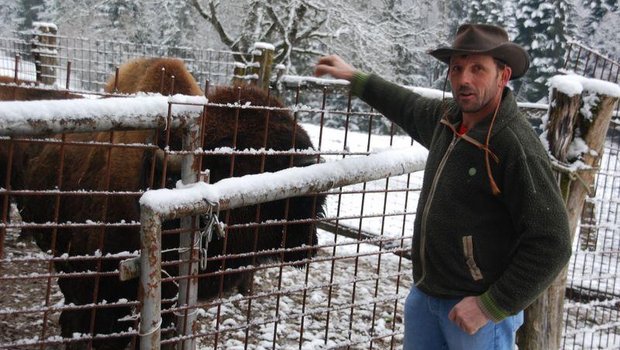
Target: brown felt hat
<point x="485" y="39"/>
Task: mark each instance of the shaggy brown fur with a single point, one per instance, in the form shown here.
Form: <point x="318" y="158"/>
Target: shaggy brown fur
<point x="86" y="168"/>
<point x="153" y="75"/>
<point x="36" y="167"/>
<point x="19" y="152"/>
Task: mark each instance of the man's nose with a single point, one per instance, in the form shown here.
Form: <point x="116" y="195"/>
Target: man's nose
<point x="466" y="77"/>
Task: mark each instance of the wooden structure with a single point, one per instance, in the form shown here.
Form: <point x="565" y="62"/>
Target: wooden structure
<point x="570" y="117"/>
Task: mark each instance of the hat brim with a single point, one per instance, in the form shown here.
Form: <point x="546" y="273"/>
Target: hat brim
<point x="512" y="54"/>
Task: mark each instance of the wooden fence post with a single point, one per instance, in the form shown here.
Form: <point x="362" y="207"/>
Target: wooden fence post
<point x="570" y="115"/>
<point x="263" y="60"/>
<point x="45" y="51"/>
<point x="239" y="74"/>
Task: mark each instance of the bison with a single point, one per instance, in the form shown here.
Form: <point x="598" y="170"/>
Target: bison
<point x="108" y="172"/>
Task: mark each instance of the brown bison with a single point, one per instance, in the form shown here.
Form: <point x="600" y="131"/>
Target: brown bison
<point x="22" y="90"/>
<point x="106" y="172"/>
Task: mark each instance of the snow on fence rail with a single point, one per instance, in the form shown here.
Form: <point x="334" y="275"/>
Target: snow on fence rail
<point x="201" y="199"/>
<point x="591" y="314"/>
<point x="88" y="115"/>
<point x="344" y="287"/>
<point x="336" y="314"/>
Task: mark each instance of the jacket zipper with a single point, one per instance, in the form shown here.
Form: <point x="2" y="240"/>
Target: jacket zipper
<point x="427" y="206"/>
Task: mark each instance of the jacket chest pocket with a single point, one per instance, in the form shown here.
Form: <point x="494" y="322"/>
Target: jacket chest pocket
<point x="468" y="251"/>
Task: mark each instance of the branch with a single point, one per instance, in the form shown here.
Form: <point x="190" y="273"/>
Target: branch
<point x="212" y="17"/>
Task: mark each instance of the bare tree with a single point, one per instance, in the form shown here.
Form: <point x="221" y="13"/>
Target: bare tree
<point x="290" y="25"/>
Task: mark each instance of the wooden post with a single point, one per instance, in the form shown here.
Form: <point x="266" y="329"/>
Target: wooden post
<point x="45" y="51"/>
<point x="543" y="319"/>
<point x="562" y="121"/>
<point x="239" y="74"/>
<point x="263" y="60"/>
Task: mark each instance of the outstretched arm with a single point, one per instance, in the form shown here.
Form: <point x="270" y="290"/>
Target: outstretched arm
<point x="335" y="66"/>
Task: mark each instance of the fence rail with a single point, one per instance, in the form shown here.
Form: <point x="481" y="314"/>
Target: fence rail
<point x="345" y="290"/>
<point x="331" y="301"/>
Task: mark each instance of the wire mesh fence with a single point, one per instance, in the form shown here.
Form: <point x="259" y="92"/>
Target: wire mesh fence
<point x="592" y="312"/>
<point x="71" y="219"/>
<point x="339" y="285"/>
<point x="83" y="64"/>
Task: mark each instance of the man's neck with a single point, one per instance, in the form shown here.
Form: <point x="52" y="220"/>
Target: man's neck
<point x="471" y="119"/>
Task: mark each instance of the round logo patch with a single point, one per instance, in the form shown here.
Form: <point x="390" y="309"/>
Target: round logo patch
<point x="472" y="171"/>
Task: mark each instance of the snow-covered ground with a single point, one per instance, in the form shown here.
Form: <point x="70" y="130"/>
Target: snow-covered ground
<point x="351" y="293"/>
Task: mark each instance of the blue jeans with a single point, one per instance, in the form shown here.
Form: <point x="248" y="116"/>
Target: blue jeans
<point x="427" y="327"/>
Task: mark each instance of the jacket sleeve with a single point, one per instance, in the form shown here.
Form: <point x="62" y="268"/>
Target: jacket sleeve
<point x="417" y="115"/>
<point x="531" y="193"/>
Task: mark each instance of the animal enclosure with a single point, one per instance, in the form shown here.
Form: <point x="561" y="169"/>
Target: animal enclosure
<point x="341" y="284"/>
<point x="60" y="267"/>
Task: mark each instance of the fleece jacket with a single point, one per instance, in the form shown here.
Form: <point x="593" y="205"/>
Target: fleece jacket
<point x="505" y="248"/>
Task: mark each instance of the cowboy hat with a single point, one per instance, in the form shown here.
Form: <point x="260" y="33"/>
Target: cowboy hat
<point x="485" y="39"/>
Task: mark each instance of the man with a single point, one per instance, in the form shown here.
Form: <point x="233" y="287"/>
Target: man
<point x="491" y="230"/>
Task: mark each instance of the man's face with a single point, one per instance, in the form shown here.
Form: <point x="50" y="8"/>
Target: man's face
<point x="476" y="80"/>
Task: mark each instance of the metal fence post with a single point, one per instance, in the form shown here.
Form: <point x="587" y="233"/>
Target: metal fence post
<point x="150" y="279"/>
<point x="189" y="244"/>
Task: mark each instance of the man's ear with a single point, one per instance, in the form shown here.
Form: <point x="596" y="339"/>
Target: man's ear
<point x="506" y="74"/>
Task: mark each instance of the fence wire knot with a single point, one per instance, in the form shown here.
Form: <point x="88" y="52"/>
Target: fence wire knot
<point x="206" y="235"/>
<point x="573" y="174"/>
<point x="153" y="330"/>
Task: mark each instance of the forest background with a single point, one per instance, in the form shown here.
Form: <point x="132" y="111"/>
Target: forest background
<point x="387" y="37"/>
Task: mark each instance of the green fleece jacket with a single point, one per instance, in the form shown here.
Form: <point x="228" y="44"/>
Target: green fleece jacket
<point x="505" y="248"/>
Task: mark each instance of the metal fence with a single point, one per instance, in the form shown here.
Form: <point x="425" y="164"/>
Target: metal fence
<point x="592" y="309"/>
<point x="71" y="219"/>
<point x="344" y="290"/>
<point x="83" y="64"/>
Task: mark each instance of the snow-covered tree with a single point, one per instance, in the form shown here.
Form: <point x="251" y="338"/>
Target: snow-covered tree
<point x="597" y="9"/>
<point x="28" y="12"/>
<point x="414" y="34"/>
<point x="374" y="36"/>
<point x="599" y="26"/>
<point x="165" y="22"/>
<point x="541" y="27"/>
<point x="8" y="16"/>
<point x="291" y="26"/>
<point x="486" y="11"/>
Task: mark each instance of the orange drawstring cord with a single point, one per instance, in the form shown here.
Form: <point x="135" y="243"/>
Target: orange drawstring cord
<point x="494" y="187"/>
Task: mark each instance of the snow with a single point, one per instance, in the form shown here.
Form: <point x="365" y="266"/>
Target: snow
<point x="139" y="111"/>
<point x="25" y="70"/>
<point x="263" y="327"/>
<point x="430" y="93"/>
<point x="263" y="46"/>
<point x="265" y="185"/>
<point x="573" y="84"/>
<point x="566" y="84"/>
<point x="45" y="24"/>
<point x="295" y="80"/>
